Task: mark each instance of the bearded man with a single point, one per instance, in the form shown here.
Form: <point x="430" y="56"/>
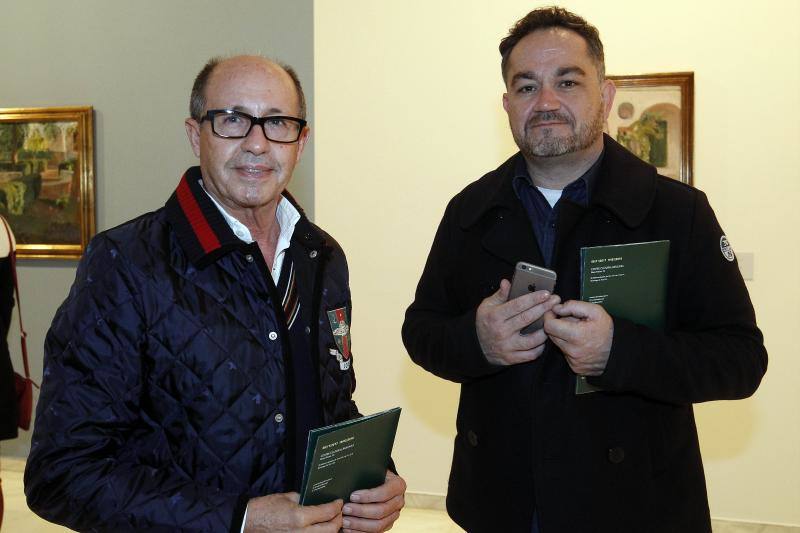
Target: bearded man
<point x="531" y="454"/>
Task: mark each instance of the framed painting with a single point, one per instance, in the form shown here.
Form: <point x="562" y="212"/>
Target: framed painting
<point x="47" y="179"/>
<point x="653" y="117"/>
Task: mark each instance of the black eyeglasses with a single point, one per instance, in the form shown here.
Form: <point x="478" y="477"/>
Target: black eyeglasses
<point x="231" y="124"/>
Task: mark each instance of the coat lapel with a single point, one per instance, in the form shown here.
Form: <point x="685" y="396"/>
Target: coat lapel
<point x="626" y="186"/>
<point x="510" y="236"/>
<point x="500" y="215"/>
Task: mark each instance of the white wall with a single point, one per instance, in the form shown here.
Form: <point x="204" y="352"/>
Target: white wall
<point x="409" y="111"/>
<point x="135" y="63"/>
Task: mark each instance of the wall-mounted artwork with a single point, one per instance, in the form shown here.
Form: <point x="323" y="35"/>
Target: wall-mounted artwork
<point x="652" y="116"/>
<point x="47" y="179"/>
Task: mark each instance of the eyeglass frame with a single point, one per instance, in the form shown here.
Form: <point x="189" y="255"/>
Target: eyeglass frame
<point x="261" y="121"/>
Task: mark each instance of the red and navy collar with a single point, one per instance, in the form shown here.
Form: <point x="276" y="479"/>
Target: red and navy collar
<point x="200" y="227"/>
<point x="202" y="230"/>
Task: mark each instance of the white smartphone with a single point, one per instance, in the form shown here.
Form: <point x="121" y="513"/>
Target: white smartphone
<point x="531" y="278"/>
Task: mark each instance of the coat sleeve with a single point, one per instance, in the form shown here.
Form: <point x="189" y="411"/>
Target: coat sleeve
<point x="438" y="335"/>
<point x="91" y="466"/>
<point x="714" y="351"/>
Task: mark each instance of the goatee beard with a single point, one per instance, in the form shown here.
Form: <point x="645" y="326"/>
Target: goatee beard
<point x="550" y="145"/>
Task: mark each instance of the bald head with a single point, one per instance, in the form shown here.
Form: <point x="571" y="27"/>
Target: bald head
<point x="220" y="65"/>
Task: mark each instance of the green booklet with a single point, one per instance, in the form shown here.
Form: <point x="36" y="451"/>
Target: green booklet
<point x="348" y="456"/>
<point x="629" y="281"/>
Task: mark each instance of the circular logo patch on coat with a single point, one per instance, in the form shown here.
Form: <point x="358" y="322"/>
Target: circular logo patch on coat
<point x="726" y="248"/>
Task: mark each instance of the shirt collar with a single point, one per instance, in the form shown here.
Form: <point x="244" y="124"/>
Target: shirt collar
<point x="203" y="231"/>
<point x="626" y="186"/>
<point x="286" y="214"/>
<point x="589" y="178"/>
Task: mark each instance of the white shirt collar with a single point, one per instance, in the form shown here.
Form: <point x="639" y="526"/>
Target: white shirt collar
<point x="287" y="216"/>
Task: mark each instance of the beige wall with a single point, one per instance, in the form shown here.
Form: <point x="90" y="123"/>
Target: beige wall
<point x="135" y="63"/>
<point x="408" y="112"/>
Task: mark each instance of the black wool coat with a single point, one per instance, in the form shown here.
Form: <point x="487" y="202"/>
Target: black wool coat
<point x="625" y="460"/>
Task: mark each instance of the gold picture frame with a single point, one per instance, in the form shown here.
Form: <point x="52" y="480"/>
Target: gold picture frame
<point x="653" y="117"/>
<point x="47" y="179"/>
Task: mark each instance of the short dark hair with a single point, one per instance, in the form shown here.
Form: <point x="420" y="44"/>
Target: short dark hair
<point x="553" y="17"/>
<point x="197" y="100"/>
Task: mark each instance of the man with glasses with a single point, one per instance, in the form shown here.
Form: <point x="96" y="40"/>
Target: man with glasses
<point x="201" y="342"/>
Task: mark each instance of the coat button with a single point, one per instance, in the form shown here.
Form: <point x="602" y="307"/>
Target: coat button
<point x="616" y="454"/>
<point x="249" y="258"/>
<point x="272" y="335"/>
<point x="472" y="438"/>
<point x="278" y="417"/>
<point x="308" y="330"/>
<point x="312" y="254"/>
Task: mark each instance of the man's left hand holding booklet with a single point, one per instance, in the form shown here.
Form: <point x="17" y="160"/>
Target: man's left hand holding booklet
<point x="348" y="456"/>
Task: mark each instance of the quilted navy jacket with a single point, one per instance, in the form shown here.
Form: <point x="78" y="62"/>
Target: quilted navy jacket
<point x="163" y="375"/>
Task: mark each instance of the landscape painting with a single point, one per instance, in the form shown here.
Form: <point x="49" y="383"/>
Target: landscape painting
<point x="47" y="179"/>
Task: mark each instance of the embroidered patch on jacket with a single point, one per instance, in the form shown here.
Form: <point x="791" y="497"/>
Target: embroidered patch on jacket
<point x="340" y="325"/>
<point x="344" y="364"/>
<point x="726" y="248"/>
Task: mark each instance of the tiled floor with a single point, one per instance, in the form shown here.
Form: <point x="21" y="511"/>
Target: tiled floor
<point x="19" y="519"/>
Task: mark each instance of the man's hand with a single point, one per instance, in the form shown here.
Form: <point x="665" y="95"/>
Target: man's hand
<point x="283" y="512"/>
<point x="375" y="509"/>
<point x="583" y="332"/>
<point x="498" y="323"/>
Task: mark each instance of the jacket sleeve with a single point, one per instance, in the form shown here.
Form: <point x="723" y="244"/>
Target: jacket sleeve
<point x="714" y="351"/>
<point x="438" y="335"/>
<point x="91" y="466"/>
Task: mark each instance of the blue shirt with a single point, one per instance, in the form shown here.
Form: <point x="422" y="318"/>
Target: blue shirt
<point x="543" y="217"/>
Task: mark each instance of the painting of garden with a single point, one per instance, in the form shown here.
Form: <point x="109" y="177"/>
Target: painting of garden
<point x="40" y="181"/>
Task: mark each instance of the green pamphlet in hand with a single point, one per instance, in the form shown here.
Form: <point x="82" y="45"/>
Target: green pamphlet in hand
<point x="629" y="281"/>
<point x="348" y="456"/>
